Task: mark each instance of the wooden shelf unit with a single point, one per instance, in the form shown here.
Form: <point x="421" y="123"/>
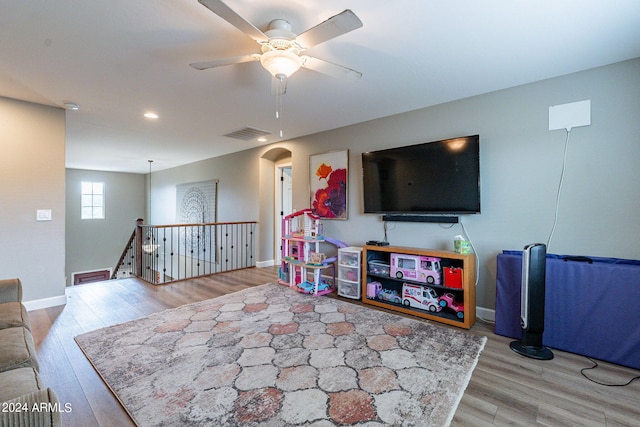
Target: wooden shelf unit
<point x="466" y="294"/>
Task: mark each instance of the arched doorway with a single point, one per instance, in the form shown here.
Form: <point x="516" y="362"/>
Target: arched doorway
<point x="284" y="202"/>
<point x="276" y="187"/>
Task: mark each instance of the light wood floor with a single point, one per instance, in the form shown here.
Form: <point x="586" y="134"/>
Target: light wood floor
<point x="505" y="389"/>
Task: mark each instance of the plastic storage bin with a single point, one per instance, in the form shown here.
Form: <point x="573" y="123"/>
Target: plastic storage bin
<point x="349" y="272"/>
<point x="379" y="267"/>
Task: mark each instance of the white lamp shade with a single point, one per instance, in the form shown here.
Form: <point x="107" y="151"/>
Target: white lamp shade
<point x="280" y="62"/>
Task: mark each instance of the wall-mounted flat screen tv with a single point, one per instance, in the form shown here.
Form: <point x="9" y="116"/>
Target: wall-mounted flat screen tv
<point x="440" y="177"/>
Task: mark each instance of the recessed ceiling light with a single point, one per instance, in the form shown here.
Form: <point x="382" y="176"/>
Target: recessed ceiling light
<point x="151" y="115"/>
<point x="262" y="139"/>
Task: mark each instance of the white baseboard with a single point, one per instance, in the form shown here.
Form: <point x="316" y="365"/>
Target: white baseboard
<point x="486" y="314"/>
<point x="268" y="263"/>
<point x="38" y="304"/>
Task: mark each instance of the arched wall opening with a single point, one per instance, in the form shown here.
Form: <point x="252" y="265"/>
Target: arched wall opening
<point x="273" y="195"/>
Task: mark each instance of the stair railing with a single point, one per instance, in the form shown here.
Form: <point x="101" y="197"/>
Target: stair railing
<point x="166" y="253"/>
<point x="125" y="266"/>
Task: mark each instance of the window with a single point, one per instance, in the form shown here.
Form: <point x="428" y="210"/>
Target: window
<point x="92" y="200"/>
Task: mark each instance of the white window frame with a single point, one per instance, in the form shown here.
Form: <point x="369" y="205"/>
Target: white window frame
<point x="92" y="200"/>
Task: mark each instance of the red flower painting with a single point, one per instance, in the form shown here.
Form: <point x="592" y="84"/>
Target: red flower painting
<point x="329" y="187"/>
<point x="324" y="171"/>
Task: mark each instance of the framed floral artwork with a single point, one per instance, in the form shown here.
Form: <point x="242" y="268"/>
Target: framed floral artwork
<point x="328" y="183"/>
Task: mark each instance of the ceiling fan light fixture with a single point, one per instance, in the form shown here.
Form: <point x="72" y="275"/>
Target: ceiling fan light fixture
<point x="280" y="62"/>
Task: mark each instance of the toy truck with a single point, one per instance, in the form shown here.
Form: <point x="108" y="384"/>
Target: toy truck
<point x="422" y="297"/>
<point x="423" y="269"/>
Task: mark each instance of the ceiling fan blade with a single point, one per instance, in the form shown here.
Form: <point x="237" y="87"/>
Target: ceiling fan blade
<point x="229" y="15"/>
<point x="205" y="65"/>
<point x="330" y="69"/>
<point x="333" y="27"/>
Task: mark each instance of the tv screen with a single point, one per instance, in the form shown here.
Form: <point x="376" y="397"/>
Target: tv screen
<point x="441" y="177"/>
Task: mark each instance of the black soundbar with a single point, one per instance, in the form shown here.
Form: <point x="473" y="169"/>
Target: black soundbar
<point x="421" y="218"/>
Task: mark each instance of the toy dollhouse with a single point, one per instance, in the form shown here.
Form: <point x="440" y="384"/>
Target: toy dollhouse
<point x="302" y="261"/>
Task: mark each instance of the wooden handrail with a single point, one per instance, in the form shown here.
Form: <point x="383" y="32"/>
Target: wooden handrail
<point x="114" y="275"/>
<point x="199" y="224"/>
<point x="125" y="251"/>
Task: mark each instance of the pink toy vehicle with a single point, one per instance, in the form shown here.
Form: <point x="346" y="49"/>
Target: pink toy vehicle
<point x="448" y="300"/>
<point x="423" y="269"/>
<point x="373" y="289"/>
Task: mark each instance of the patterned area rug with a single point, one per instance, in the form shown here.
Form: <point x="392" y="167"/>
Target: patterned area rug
<point x="271" y="356"/>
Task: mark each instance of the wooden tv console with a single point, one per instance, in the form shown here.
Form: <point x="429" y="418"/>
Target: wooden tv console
<point x="458" y="276"/>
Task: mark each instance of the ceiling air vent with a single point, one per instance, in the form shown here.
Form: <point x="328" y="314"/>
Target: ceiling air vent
<point x="248" y="134"/>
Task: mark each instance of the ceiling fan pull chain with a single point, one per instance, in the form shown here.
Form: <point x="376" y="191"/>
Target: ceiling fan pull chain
<point x="279" y="115"/>
<point x="281" y="81"/>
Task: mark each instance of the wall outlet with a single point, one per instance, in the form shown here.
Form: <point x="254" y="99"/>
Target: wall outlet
<point x="568" y="116"/>
<point x="43" y="215"/>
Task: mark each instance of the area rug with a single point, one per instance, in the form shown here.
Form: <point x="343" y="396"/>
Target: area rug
<point x="271" y="356"/>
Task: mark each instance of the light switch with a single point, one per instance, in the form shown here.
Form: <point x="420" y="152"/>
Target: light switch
<point x="43" y="215"/>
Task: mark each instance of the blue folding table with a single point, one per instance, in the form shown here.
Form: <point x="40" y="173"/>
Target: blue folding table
<point x="592" y="305"/>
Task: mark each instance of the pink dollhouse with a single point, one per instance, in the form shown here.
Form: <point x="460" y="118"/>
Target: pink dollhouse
<point x="302" y="262"/>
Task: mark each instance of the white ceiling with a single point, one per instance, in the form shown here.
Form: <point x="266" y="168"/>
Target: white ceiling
<point x="120" y="58"/>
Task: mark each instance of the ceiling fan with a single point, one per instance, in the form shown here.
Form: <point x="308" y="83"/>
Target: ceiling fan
<point x="282" y="49"/>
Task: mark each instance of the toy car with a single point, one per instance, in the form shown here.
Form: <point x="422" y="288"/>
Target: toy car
<point x="389" y="295"/>
<point x="309" y="287"/>
<point x="448" y="300"/>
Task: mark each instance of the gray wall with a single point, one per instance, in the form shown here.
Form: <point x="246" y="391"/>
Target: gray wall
<point x="521" y="161"/>
<point x="238" y="192"/>
<point x="94" y="244"/>
<point x="32" y="139"/>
